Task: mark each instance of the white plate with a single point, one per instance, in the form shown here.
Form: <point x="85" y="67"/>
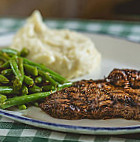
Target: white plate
<point x="116" y="53"/>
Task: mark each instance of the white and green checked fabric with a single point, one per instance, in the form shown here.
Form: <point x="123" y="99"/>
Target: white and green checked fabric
<point x="11" y="131"/>
<point x="129" y="30"/>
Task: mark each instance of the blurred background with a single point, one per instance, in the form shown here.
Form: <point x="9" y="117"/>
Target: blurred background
<point x="84" y="9"/>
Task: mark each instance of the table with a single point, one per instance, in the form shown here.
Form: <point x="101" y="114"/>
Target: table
<point x="11" y="131"/>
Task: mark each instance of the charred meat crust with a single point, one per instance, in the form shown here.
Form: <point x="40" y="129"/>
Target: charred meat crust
<point x="101" y="99"/>
<point x="124" y="78"/>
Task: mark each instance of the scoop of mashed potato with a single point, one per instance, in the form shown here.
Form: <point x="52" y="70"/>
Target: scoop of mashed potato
<point x="68" y="53"/>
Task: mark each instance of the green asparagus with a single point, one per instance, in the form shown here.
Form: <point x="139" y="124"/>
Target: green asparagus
<point x="22" y="107"/>
<point x="6" y="65"/>
<point x="7" y="72"/>
<point x="3" y="98"/>
<point x="5" y="56"/>
<point x="10" y="51"/>
<point x="6" y="90"/>
<point x="16" y="71"/>
<point x="21" y="68"/>
<point x="24" y="52"/>
<point x="38" y="79"/>
<point x="28" y="80"/>
<point x="31" y="70"/>
<point x="48" y="87"/>
<point x="47" y="77"/>
<point x="35" y="89"/>
<point x="3" y="79"/>
<point x="24" y="90"/>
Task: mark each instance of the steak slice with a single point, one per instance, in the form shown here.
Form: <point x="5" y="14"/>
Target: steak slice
<point x="88" y="99"/>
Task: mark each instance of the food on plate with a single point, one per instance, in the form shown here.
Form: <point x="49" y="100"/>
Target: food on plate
<point x="23" y="82"/>
<point x="66" y="52"/>
<point x="125" y="78"/>
<point x="116" y="96"/>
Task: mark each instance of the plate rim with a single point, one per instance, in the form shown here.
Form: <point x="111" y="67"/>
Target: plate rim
<point x="72" y="128"/>
<point x="6" y="113"/>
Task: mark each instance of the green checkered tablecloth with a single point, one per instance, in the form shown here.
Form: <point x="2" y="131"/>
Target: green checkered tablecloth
<point x="11" y="131"/>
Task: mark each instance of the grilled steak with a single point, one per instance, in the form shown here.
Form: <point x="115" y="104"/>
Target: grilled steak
<point x="101" y="99"/>
<point x="125" y="78"/>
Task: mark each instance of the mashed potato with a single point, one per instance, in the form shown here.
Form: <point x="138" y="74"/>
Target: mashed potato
<point x="68" y="53"/>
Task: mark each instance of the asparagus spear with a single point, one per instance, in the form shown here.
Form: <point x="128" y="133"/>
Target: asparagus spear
<point x="6" y="90"/>
<point x="7" y="72"/>
<point x="28" y="80"/>
<point x="31" y="70"/>
<point x="22" y="107"/>
<point x="38" y="79"/>
<point x="5" y="56"/>
<point x="24" y="90"/>
<point x="2" y="59"/>
<point x="10" y="51"/>
<point x="47" y="77"/>
<point x="3" y="79"/>
<point x="16" y="71"/>
<point x="5" y="65"/>
<point x="35" y="89"/>
<point x="16" y="85"/>
<point x="3" y="98"/>
<point x="24" y="52"/>
<point x="21" y="68"/>
<point x="48" y="87"/>
<point x="60" y="86"/>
